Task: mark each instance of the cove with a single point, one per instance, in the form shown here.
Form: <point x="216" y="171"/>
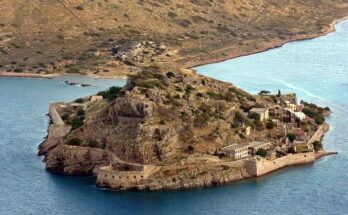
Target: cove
<point x="314" y="69"/>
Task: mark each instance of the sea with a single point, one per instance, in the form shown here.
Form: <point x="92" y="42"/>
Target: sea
<point x="316" y="70"/>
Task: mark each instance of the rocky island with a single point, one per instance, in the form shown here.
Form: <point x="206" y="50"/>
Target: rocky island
<point x="172" y="129"/>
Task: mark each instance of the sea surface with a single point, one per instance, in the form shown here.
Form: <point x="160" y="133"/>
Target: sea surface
<point x="316" y="70"/>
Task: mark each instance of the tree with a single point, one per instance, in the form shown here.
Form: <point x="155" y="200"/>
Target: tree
<point x="264" y="92"/>
<point x="270" y="124"/>
<point x="317" y="145"/>
<point x="261" y="152"/>
<point x="291" y="137"/>
<point x="255" y="116"/>
<point x="279" y="93"/>
<point x="190" y="149"/>
<point x="111" y="93"/>
<point x="292" y="150"/>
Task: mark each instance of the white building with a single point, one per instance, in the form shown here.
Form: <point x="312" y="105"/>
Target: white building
<point x="236" y="151"/>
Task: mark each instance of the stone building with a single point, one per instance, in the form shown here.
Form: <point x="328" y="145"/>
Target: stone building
<point x="256" y="145"/>
<point x="262" y="112"/>
<point x="96" y="98"/>
<point x="236" y="151"/>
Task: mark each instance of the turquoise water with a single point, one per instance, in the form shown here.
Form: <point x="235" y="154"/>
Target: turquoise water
<point x="315" y="69"/>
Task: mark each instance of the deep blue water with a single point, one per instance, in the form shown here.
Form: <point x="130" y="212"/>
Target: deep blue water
<point x="315" y="69"/>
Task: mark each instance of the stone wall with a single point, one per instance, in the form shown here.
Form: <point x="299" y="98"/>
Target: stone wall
<point x="55" y="117"/>
<point x="318" y="134"/>
<point x="107" y="177"/>
<point x="260" y="166"/>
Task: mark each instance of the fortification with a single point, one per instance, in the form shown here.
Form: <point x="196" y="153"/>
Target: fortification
<point x="54" y="115"/>
<point x="124" y="176"/>
<point x="259" y="166"/>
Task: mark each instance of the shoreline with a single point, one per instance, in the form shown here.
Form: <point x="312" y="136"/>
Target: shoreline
<point x="273" y="45"/>
<point x="50" y="76"/>
<point x="191" y="65"/>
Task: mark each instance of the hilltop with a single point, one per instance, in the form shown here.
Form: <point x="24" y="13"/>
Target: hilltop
<point x="115" y="38"/>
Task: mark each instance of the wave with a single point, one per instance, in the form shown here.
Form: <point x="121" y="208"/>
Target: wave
<point x="308" y="93"/>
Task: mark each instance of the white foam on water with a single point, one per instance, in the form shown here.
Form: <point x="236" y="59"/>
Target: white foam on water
<point x="308" y="93"/>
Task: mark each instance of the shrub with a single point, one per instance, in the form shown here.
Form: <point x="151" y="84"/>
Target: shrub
<point x="74" y="141"/>
<point x="80" y="100"/>
<point x="76" y="123"/>
<point x="189" y="89"/>
<point x="93" y="143"/>
<point x="110" y="94"/>
<point x="170" y="75"/>
<point x="254" y="116"/>
<point x="80" y="112"/>
<point x="291" y="137"/>
<point x="261" y="152"/>
<point x="65" y="116"/>
<point x="319" y="120"/>
<point x="270" y="124"/>
<point x="79" y="8"/>
<point x="190" y="149"/>
<point x="317" y="145"/>
<point x="292" y="150"/>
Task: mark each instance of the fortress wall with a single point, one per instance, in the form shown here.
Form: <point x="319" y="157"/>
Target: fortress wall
<point x="123" y="179"/>
<point x="119" y="179"/>
<point x="55" y="117"/>
<point x="259" y="167"/>
<point x="317" y="135"/>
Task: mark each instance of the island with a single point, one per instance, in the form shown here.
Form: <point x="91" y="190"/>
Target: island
<point x="173" y="129"/>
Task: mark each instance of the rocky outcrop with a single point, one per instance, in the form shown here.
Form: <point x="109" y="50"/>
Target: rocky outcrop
<point x="74" y="160"/>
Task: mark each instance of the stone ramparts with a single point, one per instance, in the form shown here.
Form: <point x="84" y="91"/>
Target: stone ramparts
<point x="259" y="166"/>
<point x="55" y="117"/>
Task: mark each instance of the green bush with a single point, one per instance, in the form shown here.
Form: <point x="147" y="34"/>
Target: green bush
<point x="74" y="141"/>
<point x="254" y="116"/>
<point x="261" y="152"/>
<point x="81" y="112"/>
<point x="292" y="150"/>
<point x="80" y="100"/>
<point x="319" y="120"/>
<point x="76" y="123"/>
<point x="269" y="124"/>
<point x="110" y="94"/>
<point x="291" y="137"/>
<point x="317" y="145"/>
<point x="65" y="116"/>
<point x="93" y="143"/>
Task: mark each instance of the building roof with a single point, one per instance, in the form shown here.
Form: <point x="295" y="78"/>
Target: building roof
<point x="259" y="110"/>
<point x="235" y="147"/>
<point x="257" y="144"/>
<point x="299" y="115"/>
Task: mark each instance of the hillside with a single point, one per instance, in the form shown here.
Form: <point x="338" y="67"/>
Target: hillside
<point x="109" y="38"/>
<point x="159" y="117"/>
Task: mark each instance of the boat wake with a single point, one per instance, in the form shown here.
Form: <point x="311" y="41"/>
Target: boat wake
<point x="308" y="93"/>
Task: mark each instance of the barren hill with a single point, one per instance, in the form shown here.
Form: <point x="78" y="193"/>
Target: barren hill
<point x="109" y="37"/>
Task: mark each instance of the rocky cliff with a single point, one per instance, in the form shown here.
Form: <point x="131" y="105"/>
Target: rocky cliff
<point x="159" y="116"/>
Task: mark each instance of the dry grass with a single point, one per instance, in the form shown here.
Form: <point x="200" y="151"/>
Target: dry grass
<point x="55" y="34"/>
